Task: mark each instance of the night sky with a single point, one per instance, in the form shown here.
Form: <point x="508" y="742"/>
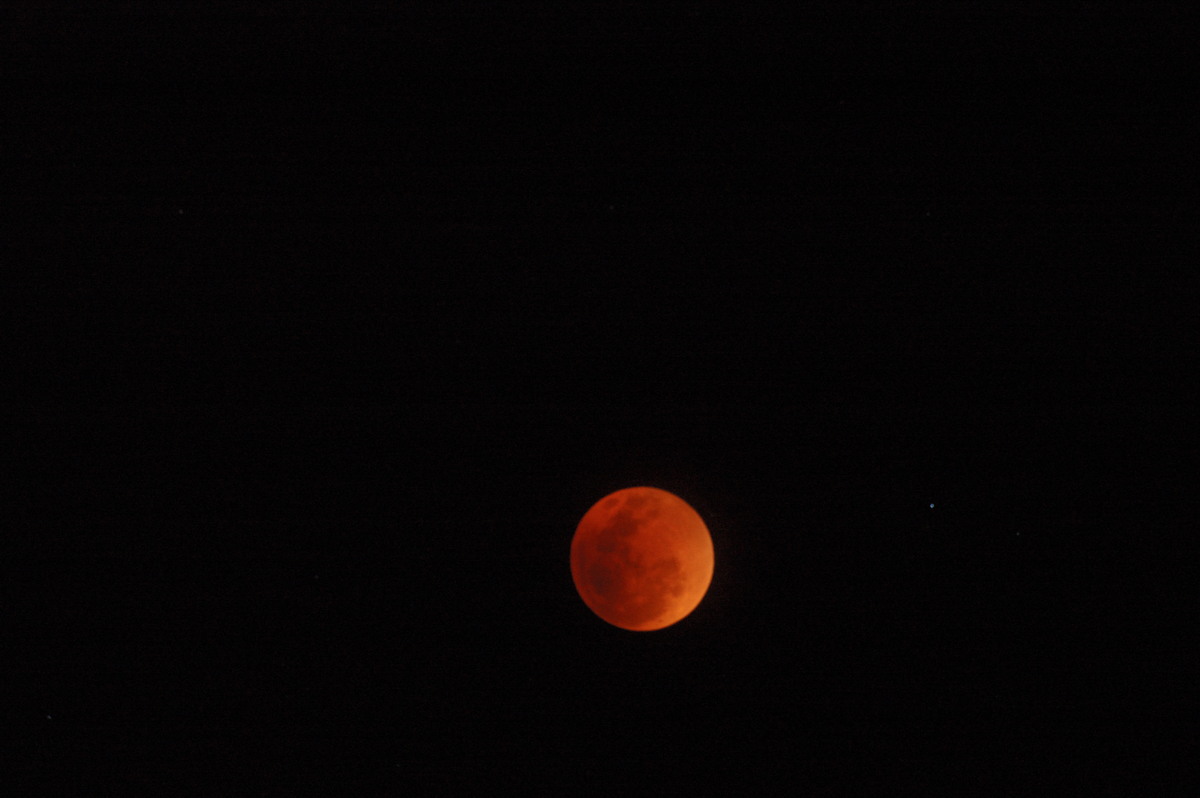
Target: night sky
<point x="324" y="329"/>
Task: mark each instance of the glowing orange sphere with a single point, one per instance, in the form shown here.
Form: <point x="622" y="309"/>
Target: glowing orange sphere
<point x="642" y="559"/>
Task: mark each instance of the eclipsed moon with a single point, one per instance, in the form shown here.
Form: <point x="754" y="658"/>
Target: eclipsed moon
<point x="642" y="558"/>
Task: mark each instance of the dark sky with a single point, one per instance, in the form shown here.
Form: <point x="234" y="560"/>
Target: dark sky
<point x="327" y="328"/>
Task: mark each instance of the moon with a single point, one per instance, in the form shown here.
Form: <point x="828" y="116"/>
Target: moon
<point x="642" y="559"/>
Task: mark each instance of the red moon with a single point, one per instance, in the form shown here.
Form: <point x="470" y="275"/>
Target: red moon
<point x="642" y="559"/>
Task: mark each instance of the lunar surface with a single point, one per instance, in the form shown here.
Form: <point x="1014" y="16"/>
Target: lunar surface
<point x="642" y="558"/>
